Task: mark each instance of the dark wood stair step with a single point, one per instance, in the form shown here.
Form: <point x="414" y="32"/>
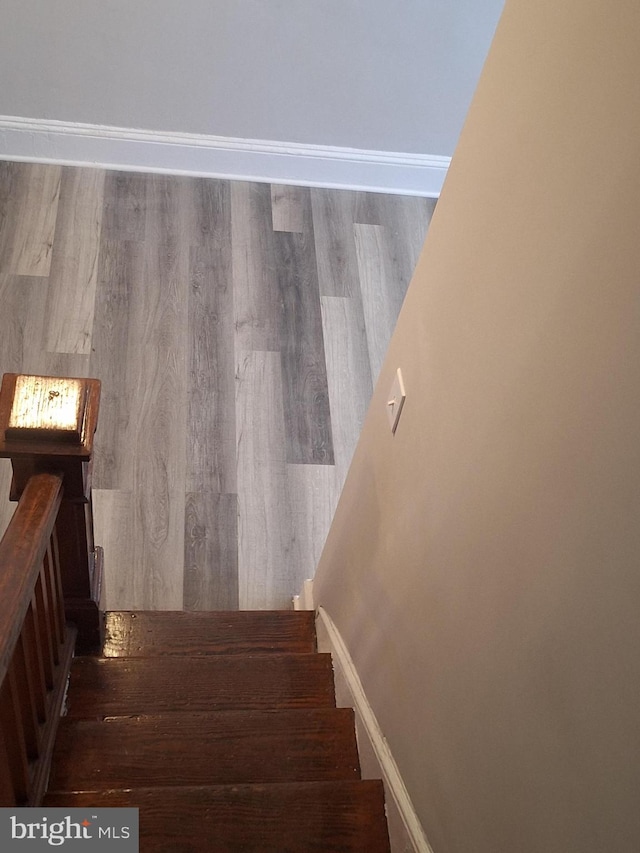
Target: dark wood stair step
<point x="307" y="817"/>
<point x="224" y="747"/>
<point x="117" y="686"/>
<point x="140" y="634"/>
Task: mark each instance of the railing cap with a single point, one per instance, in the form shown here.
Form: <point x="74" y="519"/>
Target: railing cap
<point x="34" y="441"/>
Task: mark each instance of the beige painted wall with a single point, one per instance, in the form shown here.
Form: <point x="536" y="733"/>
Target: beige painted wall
<point x="483" y="566"/>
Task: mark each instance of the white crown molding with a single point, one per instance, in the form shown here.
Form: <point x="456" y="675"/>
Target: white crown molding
<point x="405" y="829"/>
<point x="39" y="140"/>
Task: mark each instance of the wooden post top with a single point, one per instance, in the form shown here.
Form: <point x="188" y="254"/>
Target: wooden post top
<point x="48" y="416"/>
<point x="47" y="424"/>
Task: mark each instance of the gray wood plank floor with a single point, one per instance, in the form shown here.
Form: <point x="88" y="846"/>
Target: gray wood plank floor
<point x="238" y="330"/>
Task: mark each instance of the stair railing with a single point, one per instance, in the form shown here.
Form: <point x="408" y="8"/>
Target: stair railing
<point x="50" y="571"/>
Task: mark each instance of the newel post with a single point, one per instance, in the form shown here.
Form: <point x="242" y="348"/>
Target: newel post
<point x="47" y="425"/>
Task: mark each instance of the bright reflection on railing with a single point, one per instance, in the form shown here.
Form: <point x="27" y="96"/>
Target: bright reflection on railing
<point x="48" y="407"/>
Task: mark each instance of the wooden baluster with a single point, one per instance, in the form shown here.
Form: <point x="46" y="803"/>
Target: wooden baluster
<point x="45" y="628"/>
<point x="52" y="608"/>
<point x="7" y="794"/>
<point x="25" y="693"/>
<point x="74" y="548"/>
<point x="35" y="666"/>
<point x="53" y="554"/>
<point x="80" y="570"/>
<point x="11" y="725"/>
<point x="55" y="603"/>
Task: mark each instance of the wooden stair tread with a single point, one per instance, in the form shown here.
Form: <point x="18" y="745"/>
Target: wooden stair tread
<point x="116" y="686"/>
<point x="143" y="633"/>
<point x="203" y="749"/>
<point x="244" y="749"/>
<point x="303" y="817"/>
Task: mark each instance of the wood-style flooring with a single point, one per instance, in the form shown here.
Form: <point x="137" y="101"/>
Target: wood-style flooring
<point x="237" y="329"/>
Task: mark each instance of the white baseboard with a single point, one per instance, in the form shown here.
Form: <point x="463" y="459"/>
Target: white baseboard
<point x="39" y="140"/>
<point x="405" y="830"/>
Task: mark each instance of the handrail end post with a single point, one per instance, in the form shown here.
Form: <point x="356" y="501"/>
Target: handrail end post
<point x="47" y="424"/>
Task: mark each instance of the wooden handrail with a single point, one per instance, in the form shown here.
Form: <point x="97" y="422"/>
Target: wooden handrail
<point x="36" y="644"/>
<point x="35" y="436"/>
<point x="50" y="570"/>
<point x="22" y="552"/>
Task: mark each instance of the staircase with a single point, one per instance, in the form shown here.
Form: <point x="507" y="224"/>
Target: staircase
<point x="222" y="728"/>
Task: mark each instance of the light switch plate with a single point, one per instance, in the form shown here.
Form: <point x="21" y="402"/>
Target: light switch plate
<point x="395" y="400"/>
